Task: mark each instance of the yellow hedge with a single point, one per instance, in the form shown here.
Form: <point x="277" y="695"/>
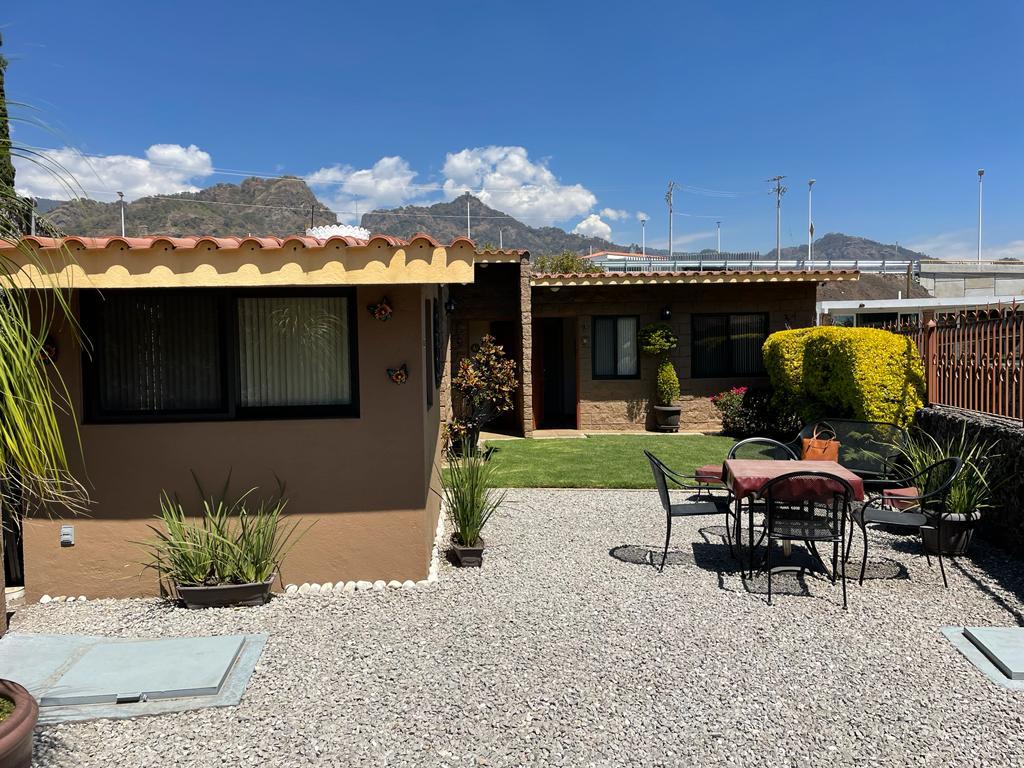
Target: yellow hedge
<point x="863" y="373"/>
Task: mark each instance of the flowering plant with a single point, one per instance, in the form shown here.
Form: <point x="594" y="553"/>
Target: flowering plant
<point x="382" y="310"/>
<point x="484" y="387"/>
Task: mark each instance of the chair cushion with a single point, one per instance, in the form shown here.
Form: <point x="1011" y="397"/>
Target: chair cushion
<point x="889" y="516"/>
<point x="711" y="473"/>
<point x="895" y="497"/>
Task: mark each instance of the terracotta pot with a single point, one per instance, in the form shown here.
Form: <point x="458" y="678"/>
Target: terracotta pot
<point x="666" y="417"/>
<point x="468" y="557"/>
<point x="16" y="730"/>
<point x="225" y="595"/>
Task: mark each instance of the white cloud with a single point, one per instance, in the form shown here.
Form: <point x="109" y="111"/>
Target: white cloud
<point x="614" y="214"/>
<point x="681" y="240"/>
<point x="592" y="226"/>
<point x="948" y="245"/>
<point x="352" y="192"/>
<point x="641" y="216"/>
<point x="65" y="172"/>
<point x="505" y="178"/>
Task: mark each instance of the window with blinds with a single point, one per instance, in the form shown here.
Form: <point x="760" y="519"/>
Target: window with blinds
<point x="207" y="354"/>
<point x="615" y="347"/>
<point x="724" y="346"/>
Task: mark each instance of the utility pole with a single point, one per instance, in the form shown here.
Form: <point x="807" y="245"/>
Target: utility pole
<point x="718" y="227"/>
<point x="501" y="243"/>
<point x="643" y="237"/>
<point x="121" y="196"/>
<point x="469" y="230"/>
<point x="810" y="223"/>
<point x="312" y="208"/>
<point x="668" y="199"/>
<point x="779" y="192"/>
<point x="981" y="184"/>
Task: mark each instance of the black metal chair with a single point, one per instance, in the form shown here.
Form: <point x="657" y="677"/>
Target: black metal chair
<point x="761" y="448"/>
<point x="809" y="507"/>
<point x="869" y="449"/>
<point x="692" y="508"/>
<point x="917" y="501"/>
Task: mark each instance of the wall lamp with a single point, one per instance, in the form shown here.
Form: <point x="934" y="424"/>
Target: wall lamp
<point x="666" y="313"/>
<point x="449" y="306"/>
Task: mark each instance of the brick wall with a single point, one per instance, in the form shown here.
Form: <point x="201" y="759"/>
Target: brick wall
<point x="624" y="404"/>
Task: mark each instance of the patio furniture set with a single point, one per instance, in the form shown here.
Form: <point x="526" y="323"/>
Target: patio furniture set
<point x="836" y="474"/>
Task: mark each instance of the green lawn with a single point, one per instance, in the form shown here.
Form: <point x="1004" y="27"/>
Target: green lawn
<point x="600" y="461"/>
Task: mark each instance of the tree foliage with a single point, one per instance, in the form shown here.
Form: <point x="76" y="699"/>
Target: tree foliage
<point x="565" y="263"/>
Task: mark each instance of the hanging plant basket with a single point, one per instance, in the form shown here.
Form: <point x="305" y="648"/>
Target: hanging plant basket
<point x="382" y="310"/>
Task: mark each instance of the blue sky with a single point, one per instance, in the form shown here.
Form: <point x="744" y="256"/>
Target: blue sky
<point x="573" y="114"/>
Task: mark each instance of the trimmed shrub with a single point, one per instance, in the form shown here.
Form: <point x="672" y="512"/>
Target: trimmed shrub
<point x="668" y="384"/>
<point x="657" y="339"/>
<point x="860" y="373"/>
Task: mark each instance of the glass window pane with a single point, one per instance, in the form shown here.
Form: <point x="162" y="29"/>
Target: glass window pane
<point x="710" y="346"/>
<point x="158" y="352"/>
<point x="604" y="346"/>
<point x="747" y="334"/>
<point x="627" y="351"/>
<point x="293" y="351"/>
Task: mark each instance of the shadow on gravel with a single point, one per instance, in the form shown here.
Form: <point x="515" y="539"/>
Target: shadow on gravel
<point x="649" y="555"/>
<point x="50" y="747"/>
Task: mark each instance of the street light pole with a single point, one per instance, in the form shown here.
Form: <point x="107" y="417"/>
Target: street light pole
<point x="981" y="184"/>
<point x="779" y="192"/>
<point x="643" y="238"/>
<point x="121" y="197"/>
<point x="668" y="199"/>
<point x="718" y="228"/>
<point x="810" y="222"/>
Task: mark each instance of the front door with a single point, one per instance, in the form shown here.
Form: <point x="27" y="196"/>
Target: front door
<point x="554" y="391"/>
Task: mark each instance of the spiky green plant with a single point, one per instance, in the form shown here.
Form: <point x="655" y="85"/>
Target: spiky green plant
<point x="228" y="541"/>
<point x="469" y="496"/>
<point x="971" y="491"/>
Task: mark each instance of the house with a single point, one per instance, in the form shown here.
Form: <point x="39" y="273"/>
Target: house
<point x="881" y="312"/>
<point x="575" y="336"/>
<point x="326" y="362"/>
<point x="258" y="357"/>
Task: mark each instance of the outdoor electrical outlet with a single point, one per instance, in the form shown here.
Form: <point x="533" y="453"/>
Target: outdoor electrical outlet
<point x="67" y="535"/>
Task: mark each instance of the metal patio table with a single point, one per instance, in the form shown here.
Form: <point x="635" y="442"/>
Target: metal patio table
<point x="746" y="477"/>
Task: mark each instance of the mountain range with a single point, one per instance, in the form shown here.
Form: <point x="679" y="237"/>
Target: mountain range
<point x="286" y="206"/>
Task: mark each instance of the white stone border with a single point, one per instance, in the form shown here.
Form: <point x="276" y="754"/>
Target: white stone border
<point x="348" y="587"/>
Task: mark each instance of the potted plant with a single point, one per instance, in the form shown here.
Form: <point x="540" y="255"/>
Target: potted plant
<point x="227" y="556"/>
<point x="483" y="388"/>
<point x="18" y="714"/>
<point x="657" y="340"/>
<point x="969" y="495"/>
<point x="469" y="501"/>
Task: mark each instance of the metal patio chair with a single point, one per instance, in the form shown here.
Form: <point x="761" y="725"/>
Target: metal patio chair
<point x="694" y="507"/>
<point x="869" y="449"/>
<point x="761" y="448"/>
<point x="917" y="501"/>
<point x="809" y="507"/>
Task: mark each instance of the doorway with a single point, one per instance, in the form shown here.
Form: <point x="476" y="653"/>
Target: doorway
<point x="554" y="373"/>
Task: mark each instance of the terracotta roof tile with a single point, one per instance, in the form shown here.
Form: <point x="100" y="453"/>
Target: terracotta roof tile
<point x="229" y="243"/>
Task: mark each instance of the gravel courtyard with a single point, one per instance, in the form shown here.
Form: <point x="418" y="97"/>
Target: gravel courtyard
<point x="559" y="653"/>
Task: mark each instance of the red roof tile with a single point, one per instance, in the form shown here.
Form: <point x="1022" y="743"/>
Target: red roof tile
<point x="227" y="243"/>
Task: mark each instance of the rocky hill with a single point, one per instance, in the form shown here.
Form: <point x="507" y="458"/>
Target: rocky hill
<point x="254" y="207"/>
<point x="446" y="221"/>
<point x="836" y="245"/>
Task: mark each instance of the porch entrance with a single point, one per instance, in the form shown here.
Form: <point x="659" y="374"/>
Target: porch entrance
<point x="555" y="402"/>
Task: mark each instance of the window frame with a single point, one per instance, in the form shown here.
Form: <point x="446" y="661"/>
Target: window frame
<point x="593" y="346"/>
<point x="230" y="334"/>
<point x="732" y="374"/>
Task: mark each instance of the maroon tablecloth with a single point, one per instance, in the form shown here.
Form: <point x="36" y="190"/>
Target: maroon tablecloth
<point x="746" y="476"/>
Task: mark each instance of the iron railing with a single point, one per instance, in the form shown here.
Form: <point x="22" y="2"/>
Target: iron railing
<point x="688" y="262"/>
<point x="973" y="359"/>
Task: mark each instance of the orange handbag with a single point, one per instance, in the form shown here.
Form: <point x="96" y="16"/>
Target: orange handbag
<point x="820" y="446"/>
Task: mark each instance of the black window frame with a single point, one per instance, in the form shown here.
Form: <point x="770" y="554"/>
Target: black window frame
<point x="593" y="347"/>
<point x="229" y="332"/>
<point x="727" y="315"/>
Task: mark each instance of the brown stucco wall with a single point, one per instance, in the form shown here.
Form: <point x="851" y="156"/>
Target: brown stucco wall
<point x="624" y="404"/>
<point x="363" y="483"/>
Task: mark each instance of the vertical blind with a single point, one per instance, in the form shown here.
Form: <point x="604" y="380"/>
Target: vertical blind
<point x="293" y="351"/>
<point x="159" y="351"/>
<point x="615" y="346"/>
<point x="728" y="345"/>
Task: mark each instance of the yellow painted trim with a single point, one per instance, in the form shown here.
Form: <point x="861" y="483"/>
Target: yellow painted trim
<point x="721" y="278"/>
<point x="247" y="266"/>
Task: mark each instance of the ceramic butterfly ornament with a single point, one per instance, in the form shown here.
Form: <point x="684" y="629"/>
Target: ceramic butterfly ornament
<point x="399" y="375"/>
<point x="382" y="310"/>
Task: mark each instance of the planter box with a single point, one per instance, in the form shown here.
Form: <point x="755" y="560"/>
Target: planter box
<point x="226" y="595"/>
<point x="957" y="532"/>
<point x="468" y="557"/>
<point x="666" y="417"/>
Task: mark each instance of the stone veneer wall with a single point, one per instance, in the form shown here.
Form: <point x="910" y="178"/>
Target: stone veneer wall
<point x="1004" y="524"/>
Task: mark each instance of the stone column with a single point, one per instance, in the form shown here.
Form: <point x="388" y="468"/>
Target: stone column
<point x="525" y="394"/>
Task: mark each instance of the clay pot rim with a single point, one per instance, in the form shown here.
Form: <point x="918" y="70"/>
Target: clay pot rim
<point x="25" y="714"/>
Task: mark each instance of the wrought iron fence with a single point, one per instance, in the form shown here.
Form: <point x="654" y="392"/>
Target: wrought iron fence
<point x="973" y="359"/>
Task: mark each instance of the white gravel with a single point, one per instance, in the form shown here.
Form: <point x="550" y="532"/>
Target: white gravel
<point x="557" y="653"/>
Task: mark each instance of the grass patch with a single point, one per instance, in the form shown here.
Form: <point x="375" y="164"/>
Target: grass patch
<point x="600" y="461"/>
<point x="6" y="708"/>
